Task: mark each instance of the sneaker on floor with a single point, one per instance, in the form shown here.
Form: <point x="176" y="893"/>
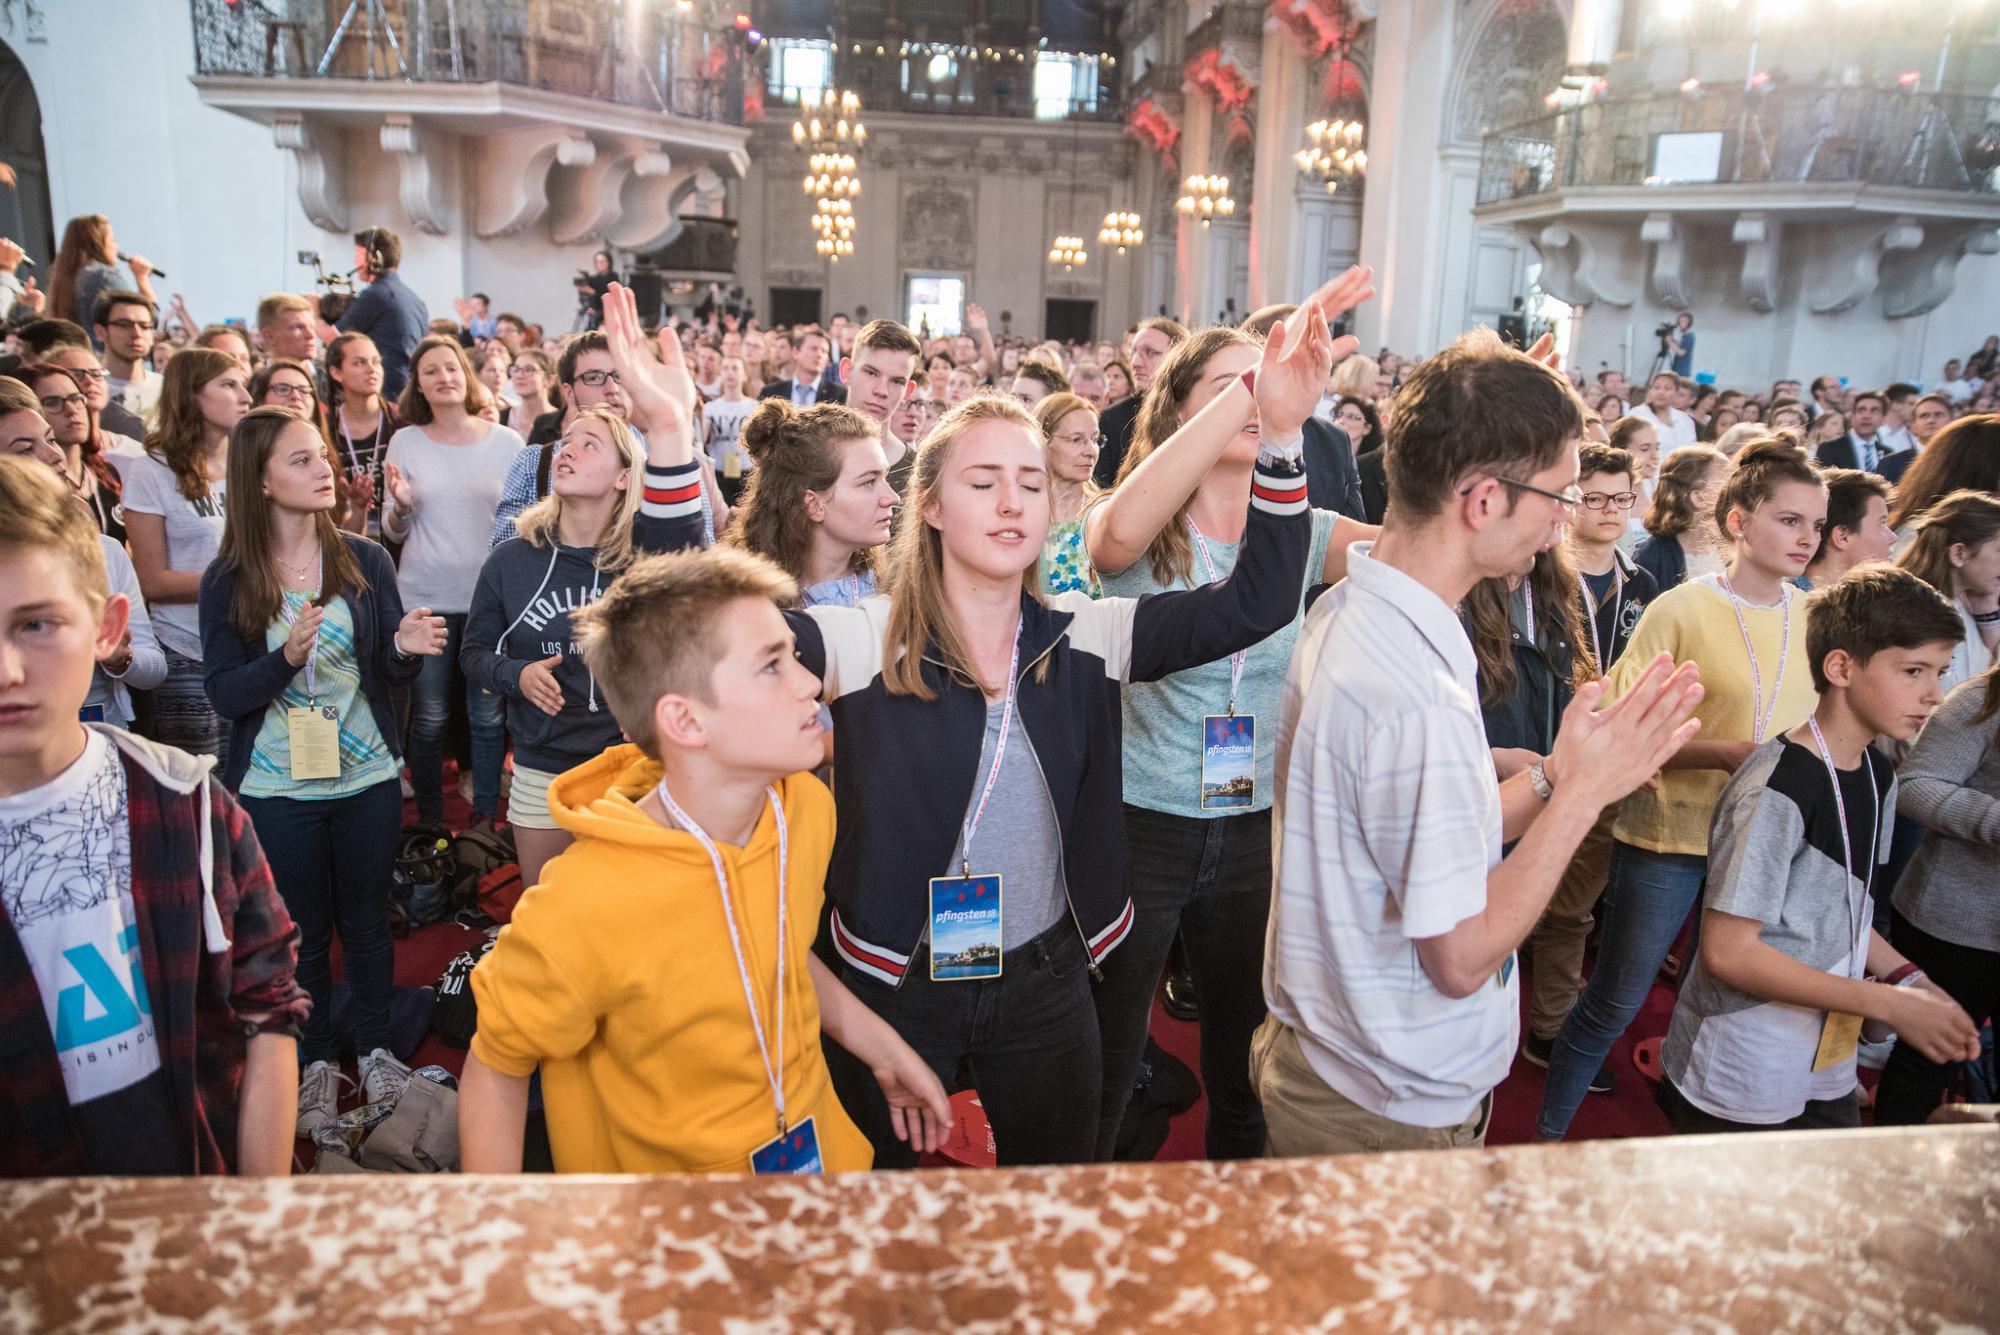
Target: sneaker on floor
<point x="382" y="1076"/>
<point x="465" y="788"/>
<point x="1537" y="1051"/>
<point x="319" y="1096"/>
<point x="409" y="789"/>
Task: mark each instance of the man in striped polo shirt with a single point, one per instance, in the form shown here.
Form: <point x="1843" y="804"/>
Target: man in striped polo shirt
<point x="1389" y="964"/>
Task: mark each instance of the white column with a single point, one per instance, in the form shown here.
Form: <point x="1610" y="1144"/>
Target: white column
<point x="1593" y="32"/>
<point x="1191" y="278"/>
<point x="1403" y="225"/>
<point x="1283" y="93"/>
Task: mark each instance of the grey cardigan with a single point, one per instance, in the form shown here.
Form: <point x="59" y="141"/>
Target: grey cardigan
<point x="1951" y="786"/>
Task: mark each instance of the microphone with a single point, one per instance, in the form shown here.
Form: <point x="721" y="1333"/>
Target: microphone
<point x="157" y="273"/>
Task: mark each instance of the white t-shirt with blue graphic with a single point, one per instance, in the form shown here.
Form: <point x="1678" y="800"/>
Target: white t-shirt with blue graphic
<point x="66" y="879"/>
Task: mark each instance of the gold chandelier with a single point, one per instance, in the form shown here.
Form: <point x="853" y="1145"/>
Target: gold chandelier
<point x="1206" y="198"/>
<point x="1333" y="152"/>
<point x="831" y="133"/>
<point x="1068" y="251"/>
<point x="1121" y="230"/>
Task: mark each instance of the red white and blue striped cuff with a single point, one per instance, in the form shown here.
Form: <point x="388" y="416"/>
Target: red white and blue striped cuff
<point x="878" y="962"/>
<point x="672" y="493"/>
<point x="1279" y="489"/>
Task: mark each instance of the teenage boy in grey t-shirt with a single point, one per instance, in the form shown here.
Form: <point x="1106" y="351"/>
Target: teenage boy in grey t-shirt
<point x="1790" y="966"/>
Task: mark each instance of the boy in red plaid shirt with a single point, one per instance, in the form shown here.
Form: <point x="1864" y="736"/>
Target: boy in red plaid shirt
<point x="148" y="1010"/>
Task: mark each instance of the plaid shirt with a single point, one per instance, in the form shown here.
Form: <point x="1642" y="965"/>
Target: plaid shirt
<point x="206" y="1006"/>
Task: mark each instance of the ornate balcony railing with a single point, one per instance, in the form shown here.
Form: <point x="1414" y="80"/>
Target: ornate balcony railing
<point x="637" y="55"/>
<point x="1780" y="137"/>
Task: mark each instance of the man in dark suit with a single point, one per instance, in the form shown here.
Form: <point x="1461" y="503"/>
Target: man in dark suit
<point x="1862" y="446"/>
<point x="1931" y="415"/>
<point x="804" y="388"/>
<point x="1155" y="338"/>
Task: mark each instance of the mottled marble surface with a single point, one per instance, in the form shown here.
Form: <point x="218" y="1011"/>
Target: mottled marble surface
<point x="1861" y="1231"/>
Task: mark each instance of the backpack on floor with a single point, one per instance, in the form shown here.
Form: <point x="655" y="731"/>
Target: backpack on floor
<point x="456" y="1016"/>
<point x="421" y="883"/>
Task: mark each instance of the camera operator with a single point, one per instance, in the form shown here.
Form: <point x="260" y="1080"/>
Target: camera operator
<point x="591" y="287"/>
<point x="386" y="310"/>
<point x="1677" y="340"/>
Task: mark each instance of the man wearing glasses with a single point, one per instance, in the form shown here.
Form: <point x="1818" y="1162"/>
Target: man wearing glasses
<point x="1389" y="971"/>
<point x="124" y="328"/>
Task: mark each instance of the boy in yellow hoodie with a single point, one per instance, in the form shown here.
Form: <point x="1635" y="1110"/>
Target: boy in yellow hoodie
<point x="665" y="987"/>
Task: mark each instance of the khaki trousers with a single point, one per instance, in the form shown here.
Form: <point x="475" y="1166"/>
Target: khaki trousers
<point x="1555" y="947"/>
<point x="1304" y="1115"/>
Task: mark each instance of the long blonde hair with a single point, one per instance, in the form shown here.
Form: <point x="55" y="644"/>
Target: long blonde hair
<point x="539" y="523"/>
<point x="1171" y="552"/>
<point x="919" y="616"/>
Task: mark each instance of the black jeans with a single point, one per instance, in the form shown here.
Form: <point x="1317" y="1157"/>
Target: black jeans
<point x="1210" y="880"/>
<point x="1027" y="1041"/>
<point x="1819" y="1115"/>
<point x="1912" y="1084"/>
<point x="332" y="861"/>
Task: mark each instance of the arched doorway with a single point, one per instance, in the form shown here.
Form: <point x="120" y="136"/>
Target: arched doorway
<point x="24" y="209"/>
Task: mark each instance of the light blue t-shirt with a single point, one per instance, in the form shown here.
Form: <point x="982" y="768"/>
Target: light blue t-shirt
<point x="1163" y="719"/>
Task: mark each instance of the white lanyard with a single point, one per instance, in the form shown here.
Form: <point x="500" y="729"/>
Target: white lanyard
<point x="1617" y="600"/>
<point x="1847" y="838"/>
<point x="312" y="654"/>
<point x="775" y="1073"/>
<point x="1762" y="715"/>
<point x="1235" y="659"/>
<point x="999" y="753"/>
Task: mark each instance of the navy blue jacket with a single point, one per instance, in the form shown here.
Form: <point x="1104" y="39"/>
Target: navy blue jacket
<point x="1332" y="482"/>
<point x="243" y="678"/>
<point x="1664" y="560"/>
<point x="396" y="319"/>
<point x="906" y="768"/>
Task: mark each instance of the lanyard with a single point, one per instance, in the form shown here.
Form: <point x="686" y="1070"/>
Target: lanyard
<point x="312" y="654"/>
<point x="999" y="753"/>
<point x="1617" y="600"/>
<point x="774" y="1073"/>
<point x="1761" y="716"/>
<point x="1235" y="659"/>
<point x="1846" y="837"/>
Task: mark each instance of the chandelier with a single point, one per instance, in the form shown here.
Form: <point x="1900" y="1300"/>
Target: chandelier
<point x="1121" y="230"/>
<point x="1068" y="251"/>
<point x="1207" y="198"/>
<point x="1333" y="152"/>
<point x="831" y="133"/>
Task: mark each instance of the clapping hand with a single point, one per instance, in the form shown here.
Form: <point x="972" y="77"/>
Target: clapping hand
<point x="421" y="634"/>
<point x="1607" y="753"/>
<point x="305" y="630"/>
<point x="400" y="492"/>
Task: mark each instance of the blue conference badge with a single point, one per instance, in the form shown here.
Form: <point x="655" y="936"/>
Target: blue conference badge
<point x="965" y="928"/>
<point x="1228" y="761"/>
<point x="797" y="1151"/>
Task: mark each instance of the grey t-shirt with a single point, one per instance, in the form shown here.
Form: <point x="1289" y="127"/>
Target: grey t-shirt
<point x="457" y="491"/>
<point x="1776" y="856"/>
<point x="1017" y="838"/>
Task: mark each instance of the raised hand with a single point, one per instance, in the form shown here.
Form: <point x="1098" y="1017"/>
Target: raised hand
<point x="661" y="390"/>
<point x="463" y="310"/>
<point x="1292" y="373"/>
<point x="1335" y="298"/>
<point x="538" y="685"/>
<point x="1608" y="753"/>
<point x="305" y="630"/>
<point x="1544" y="351"/>
<point x="400" y="491"/>
<point x="975" y="318"/>
<point x="11" y="254"/>
<point x="30" y="298"/>
<point x="420" y="634"/>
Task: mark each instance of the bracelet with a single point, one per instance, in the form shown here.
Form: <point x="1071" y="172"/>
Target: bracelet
<point x="1986" y="618"/>
<point x="1903" y="975"/>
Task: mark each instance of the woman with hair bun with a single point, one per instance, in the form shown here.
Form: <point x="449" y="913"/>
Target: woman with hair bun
<point x="819" y="502"/>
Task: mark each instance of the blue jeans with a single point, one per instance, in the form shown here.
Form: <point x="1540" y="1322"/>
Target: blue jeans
<point x="333" y="860"/>
<point x="1646" y="899"/>
<point x="430" y="713"/>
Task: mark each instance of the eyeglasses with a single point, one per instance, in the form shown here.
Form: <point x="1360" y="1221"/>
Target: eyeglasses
<point x="595" y="378"/>
<point x="55" y="404"/>
<point x="128" y="325"/>
<point x="1602" y="500"/>
<point x="295" y="392"/>
<point x="1568" y="499"/>
<point x="93" y="372"/>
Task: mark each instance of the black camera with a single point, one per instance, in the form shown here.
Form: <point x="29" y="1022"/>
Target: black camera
<point x="336" y="290"/>
<point x="1663" y="330"/>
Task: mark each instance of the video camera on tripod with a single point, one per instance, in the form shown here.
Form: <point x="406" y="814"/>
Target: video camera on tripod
<point x="336" y="291"/>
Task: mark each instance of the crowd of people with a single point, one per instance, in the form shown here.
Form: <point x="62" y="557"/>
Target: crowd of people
<point x="874" y="716"/>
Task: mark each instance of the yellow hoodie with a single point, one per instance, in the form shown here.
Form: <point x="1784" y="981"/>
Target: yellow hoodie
<point x="617" y="977"/>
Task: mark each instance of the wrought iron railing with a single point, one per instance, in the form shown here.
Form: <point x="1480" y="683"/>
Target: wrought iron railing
<point x="1786" y="136"/>
<point x="637" y="55"/>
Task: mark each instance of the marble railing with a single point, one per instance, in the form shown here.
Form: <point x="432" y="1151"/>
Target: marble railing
<point x="1867" y="1230"/>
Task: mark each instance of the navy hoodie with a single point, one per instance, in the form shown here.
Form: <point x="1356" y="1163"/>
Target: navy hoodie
<point x="521" y="611"/>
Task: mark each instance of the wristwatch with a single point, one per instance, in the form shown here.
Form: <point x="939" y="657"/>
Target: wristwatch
<point x="1538" y="780"/>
